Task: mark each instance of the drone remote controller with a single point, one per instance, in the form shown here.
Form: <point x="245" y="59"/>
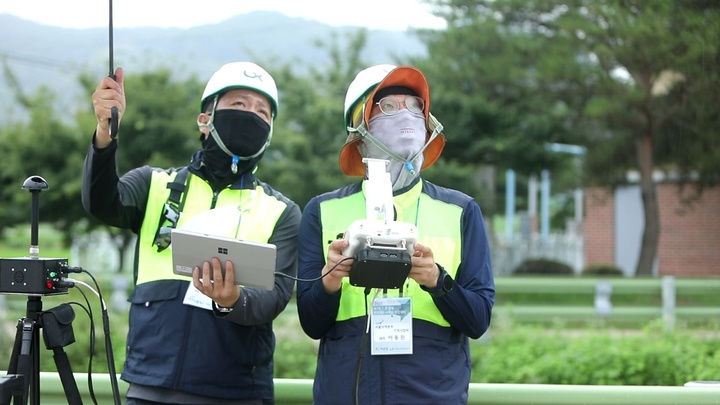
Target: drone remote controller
<point x="365" y="233"/>
<point x="382" y="247"/>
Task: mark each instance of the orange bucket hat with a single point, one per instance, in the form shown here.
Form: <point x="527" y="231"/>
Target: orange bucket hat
<point x="363" y="89"/>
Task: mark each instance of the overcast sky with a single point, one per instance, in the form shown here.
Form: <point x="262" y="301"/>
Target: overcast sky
<point x="373" y="14"/>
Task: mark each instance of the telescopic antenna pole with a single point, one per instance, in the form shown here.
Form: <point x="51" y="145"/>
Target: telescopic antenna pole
<point x="34" y="221"/>
<point x="114" y="110"/>
<point x="34" y="184"/>
<point x="113" y="135"/>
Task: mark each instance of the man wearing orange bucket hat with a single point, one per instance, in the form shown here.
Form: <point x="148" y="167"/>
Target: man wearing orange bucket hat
<point x="410" y="343"/>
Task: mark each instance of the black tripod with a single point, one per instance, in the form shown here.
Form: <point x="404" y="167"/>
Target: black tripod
<point x="25" y="359"/>
<point x="34" y="276"/>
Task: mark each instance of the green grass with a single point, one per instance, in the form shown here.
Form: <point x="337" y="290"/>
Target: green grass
<point x="16" y="242"/>
<point x="7" y="253"/>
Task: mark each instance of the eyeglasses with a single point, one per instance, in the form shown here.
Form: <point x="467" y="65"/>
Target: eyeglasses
<point x="390" y="105"/>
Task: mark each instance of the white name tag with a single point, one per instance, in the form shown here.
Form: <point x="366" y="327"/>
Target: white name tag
<point x="194" y="297"/>
<point x="391" y="326"/>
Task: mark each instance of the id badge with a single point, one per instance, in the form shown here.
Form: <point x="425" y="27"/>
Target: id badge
<point x="391" y="326"/>
<point x="195" y="298"/>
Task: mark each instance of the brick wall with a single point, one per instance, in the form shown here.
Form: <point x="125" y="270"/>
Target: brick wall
<point x="599" y="226"/>
<point x="689" y="230"/>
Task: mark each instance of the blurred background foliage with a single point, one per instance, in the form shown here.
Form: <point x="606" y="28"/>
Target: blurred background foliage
<point x="629" y="81"/>
<point x="635" y="82"/>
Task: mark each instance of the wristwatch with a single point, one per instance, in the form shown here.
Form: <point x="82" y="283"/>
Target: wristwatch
<point x="444" y="284"/>
<point x="222" y="309"/>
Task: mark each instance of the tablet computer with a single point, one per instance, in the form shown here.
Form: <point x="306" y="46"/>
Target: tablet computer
<point x="254" y="262"/>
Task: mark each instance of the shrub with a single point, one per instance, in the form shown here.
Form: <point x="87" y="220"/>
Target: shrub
<point x="533" y="355"/>
<point x="543" y="266"/>
<point x="602" y="269"/>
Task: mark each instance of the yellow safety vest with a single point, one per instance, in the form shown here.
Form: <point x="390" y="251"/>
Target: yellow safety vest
<point x="439" y="227"/>
<point x="254" y="219"/>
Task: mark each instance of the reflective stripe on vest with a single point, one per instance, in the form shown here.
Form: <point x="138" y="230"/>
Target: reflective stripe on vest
<point x="439" y="227"/>
<point x="257" y="211"/>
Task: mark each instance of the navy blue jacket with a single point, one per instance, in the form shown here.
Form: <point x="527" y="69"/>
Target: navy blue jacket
<point x="438" y="371"/>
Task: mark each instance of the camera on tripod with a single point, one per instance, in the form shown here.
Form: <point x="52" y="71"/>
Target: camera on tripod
<point x="27" y="276"/>
<point x="33" y="275"/>
<point x="381" y="246"/>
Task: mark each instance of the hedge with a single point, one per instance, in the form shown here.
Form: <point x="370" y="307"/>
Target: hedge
<point x="597" y="357"/>
<point x="508" y="353"/>
<point x="529" y="355"/>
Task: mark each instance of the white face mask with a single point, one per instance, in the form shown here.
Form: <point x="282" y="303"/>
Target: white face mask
<point x="402" y="133"/>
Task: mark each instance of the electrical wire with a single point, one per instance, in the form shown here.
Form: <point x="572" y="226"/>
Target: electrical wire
<point x="75" y="283"/>
<point x="108" y="345"/>
<point x="361" y="349"/>
<point x="277" y="273"/>
<point x="106" y="330"/>
<point x="38" y="61"/>
<point x="88" y="311"/>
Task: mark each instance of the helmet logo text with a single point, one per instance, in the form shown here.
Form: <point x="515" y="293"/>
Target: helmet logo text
<point x="253" y="75"/>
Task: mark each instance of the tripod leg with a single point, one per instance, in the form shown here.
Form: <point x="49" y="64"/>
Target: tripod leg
<point x="11" y="386"/>
<point x="12" y="367"/>
<point x="66" y="377"/>
<point x="21" y="360"/>
<point x="14" y="385"/>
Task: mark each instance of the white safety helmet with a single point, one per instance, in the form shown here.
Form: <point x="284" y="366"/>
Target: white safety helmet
<point x="365" y="81"/>
<point x="242" y="75"/>
<point x="359" y="103"/>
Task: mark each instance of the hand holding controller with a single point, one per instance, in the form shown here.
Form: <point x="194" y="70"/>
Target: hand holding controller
<point x="366" y="233"/>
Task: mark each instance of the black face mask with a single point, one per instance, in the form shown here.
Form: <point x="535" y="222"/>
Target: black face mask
<point x="243" y="133"/>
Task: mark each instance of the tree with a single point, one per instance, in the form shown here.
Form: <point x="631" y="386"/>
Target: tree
<point x="309" y="132"/>
<point x="43" y="145"/>
<point x="630" y="80"/>
<point x="158" y="129"/>
<point x="487" y="90"/>
<point x="159" y="125"/>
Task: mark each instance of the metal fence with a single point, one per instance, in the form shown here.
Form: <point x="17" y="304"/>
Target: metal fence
<point x="299" y="392"/>
<point x="507" y="254"/>
<point x="601" y="294"/>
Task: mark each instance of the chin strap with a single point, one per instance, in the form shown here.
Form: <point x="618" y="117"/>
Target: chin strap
<point x="364" y="133"/>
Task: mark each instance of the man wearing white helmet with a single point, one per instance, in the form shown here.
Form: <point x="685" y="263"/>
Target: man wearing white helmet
<point x="418" y="351"/>
<point x="199" y="342"/>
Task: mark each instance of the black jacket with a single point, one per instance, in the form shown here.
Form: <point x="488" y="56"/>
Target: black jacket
<point x="184" y="348"/>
